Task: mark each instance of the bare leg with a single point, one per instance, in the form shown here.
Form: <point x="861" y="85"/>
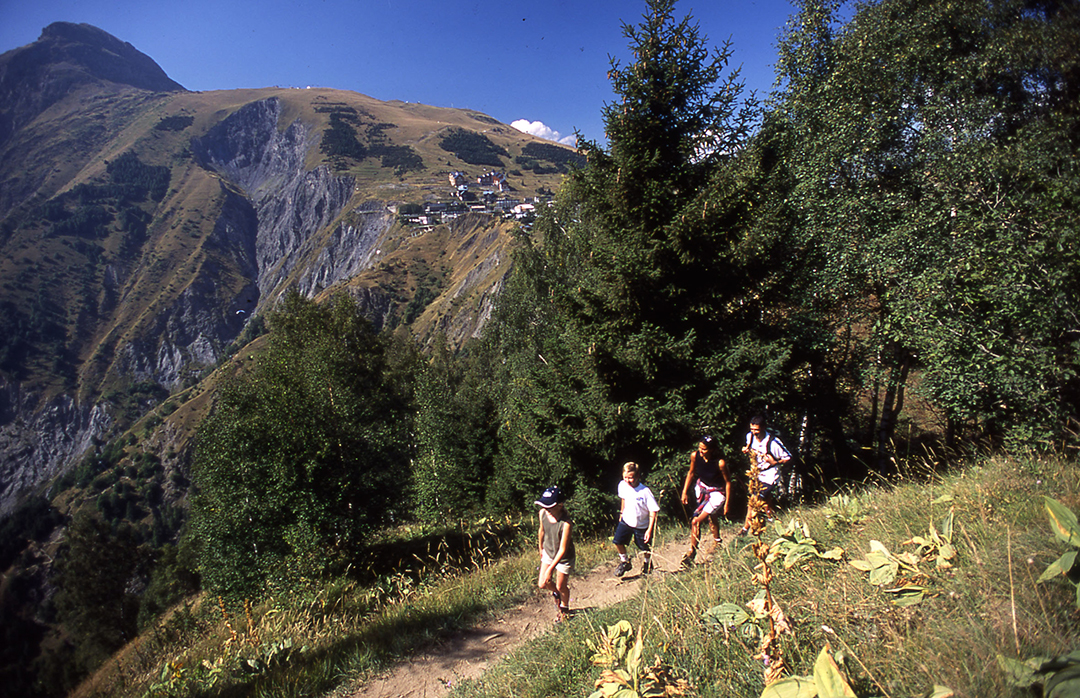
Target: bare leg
<point x="563" y="584"/>
<point x="695" y="534"/>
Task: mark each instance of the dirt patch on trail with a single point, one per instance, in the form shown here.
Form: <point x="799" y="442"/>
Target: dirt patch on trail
<point x="468" y="653"/>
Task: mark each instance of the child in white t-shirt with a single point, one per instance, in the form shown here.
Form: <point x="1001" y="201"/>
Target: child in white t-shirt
<point x="637" y="520"/>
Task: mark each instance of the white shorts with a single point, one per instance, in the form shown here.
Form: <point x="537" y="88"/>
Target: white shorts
<point x="715" y="499"/>
<point x="564" y="566"/>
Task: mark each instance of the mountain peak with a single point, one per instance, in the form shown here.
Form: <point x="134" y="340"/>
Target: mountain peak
<point x="65" y="57"/>
<point x="102" y="56"/>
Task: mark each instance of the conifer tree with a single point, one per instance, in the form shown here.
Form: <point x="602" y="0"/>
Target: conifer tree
<point x="610" y="315"/>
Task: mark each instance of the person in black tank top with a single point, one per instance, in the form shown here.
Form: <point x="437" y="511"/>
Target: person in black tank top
<point x="712" y="491"/>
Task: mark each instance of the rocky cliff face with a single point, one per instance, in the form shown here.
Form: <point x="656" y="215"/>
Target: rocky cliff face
<point x="37" y="441"/>
<point x="291" y="204"/>
<point x="106" y="289"/>
<point x="275" y="227"/>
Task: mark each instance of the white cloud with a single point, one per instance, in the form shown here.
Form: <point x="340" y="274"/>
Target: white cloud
<point x="542" y="130"/>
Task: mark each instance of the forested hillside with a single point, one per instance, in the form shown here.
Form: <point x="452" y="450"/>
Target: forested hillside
<point x="882" y="257"/>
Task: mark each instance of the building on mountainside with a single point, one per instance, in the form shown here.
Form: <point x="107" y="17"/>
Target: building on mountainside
<point x="493" y="179"/>
<point x="457" y="179"/>
<point x="523" y="210"/>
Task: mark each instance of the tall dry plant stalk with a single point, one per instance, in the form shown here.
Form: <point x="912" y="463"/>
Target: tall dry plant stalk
<point x="769" y="650"/>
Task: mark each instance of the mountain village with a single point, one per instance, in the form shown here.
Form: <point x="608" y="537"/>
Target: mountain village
<point x="492" y="199"/>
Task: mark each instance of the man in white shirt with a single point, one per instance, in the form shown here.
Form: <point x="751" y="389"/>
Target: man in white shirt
<point x="769" y="453"/>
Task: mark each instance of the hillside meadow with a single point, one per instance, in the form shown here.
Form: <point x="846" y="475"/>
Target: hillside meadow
<point x="976" y="621"/>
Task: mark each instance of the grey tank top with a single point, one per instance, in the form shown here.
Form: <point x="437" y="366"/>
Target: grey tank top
<point x="553" y="533"/>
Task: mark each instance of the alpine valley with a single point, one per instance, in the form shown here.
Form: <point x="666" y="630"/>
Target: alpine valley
<point x="145" y="229"/>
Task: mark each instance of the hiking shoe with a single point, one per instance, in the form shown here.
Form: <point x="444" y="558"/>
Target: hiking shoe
<point x="623" y="568"/>
<point x="646" y="567"/>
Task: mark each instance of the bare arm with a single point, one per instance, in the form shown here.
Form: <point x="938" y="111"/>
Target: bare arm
<point x="727" y="485"/>
<point x="690" y="477"/>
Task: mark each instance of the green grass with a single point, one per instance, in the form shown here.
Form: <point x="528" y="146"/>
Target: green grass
<point x="987" y="604"/>
<point x="322" y="640"/>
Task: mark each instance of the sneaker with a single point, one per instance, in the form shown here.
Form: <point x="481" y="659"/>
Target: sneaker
<point x="646" y="567"/>
<point x="623" y="568"/>
<point x="743" y="531"/>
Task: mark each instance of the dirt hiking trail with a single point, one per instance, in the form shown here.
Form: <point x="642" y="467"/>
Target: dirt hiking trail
<point x="468" y="653"/>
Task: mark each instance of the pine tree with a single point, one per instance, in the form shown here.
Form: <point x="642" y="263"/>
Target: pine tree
<point x="608" y="320"/>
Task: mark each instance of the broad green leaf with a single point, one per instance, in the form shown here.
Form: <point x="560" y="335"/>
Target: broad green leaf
<point x="1064" y="683"/>
<point x="791" y="687"/>
<point x="727" y="615"/>
<point x="829" y="681"/>
<point x="883" y="571"/>
<point x="1062" y="522"/>
<point x="1017" y="673"/>
<point x="939" y="692"/>
<point x="797" y="553"/>
<point x="633" y="660"/>
<point x="945" y="553"/>
<point x="1059" y="567"/>
<point x="947" y="526"/>
<point x="908" y="595"/>
<point x="943" y="499"/>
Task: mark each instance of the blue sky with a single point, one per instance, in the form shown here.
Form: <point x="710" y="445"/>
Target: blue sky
<point x="540" y="64"/>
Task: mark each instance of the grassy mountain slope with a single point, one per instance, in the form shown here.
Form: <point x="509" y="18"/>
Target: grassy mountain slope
<point x="65" y="274"/>
<point x="987" y="603"/>
<point x="143" y="226"/>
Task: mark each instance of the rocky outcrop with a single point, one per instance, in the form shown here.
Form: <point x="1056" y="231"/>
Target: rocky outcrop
<point x="206" y="317"/>
<point x="350" y="249"/>
<point x="38" y="441"/>
<point x="291" y="204"/>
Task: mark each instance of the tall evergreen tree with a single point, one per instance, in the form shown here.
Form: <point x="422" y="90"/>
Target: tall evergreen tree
<point x="611" y="322"/>
<point x="456" y="433"/>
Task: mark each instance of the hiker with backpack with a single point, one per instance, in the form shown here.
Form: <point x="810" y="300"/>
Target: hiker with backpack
<point x="770" y="456"/>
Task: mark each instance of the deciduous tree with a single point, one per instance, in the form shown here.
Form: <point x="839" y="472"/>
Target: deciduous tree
<point x="306" y="451"/>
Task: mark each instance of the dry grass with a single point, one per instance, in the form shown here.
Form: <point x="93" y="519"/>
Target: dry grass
<point x="312" y="640"/>
<point x="987" y="604"/>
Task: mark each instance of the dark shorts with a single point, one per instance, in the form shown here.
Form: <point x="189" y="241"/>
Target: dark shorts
<point x="768" y="491"/>
<point x="624" y="533"/>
